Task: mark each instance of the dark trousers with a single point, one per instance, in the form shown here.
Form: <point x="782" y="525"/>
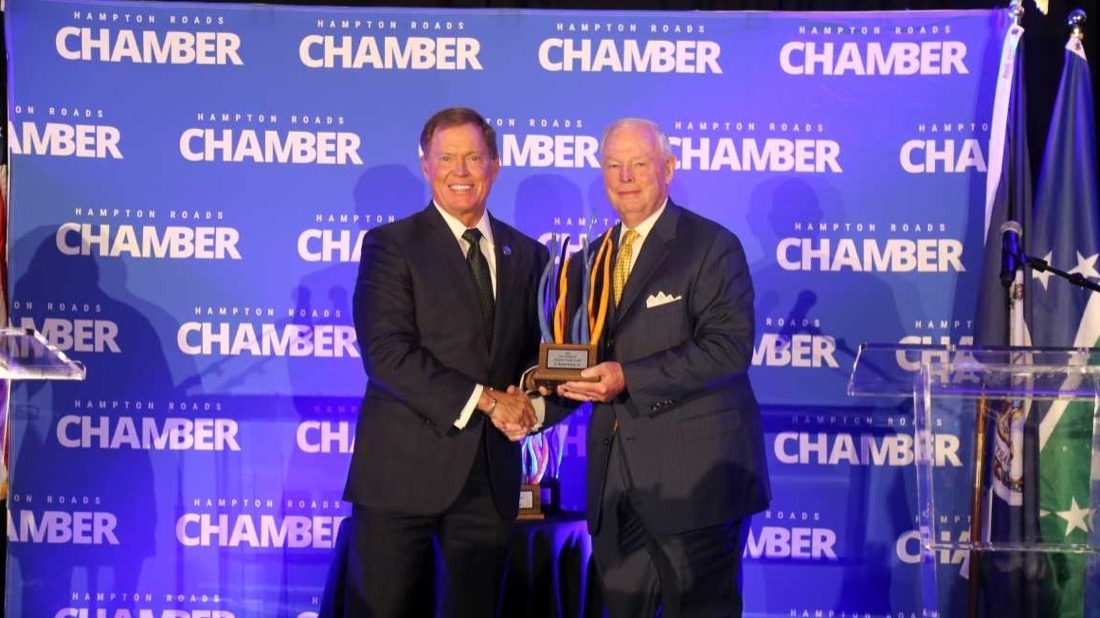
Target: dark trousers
<point x="692" y="574"/>
<point x="390" y="560"/>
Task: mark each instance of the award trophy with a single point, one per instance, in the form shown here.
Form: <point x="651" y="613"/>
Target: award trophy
<point x="569" y="346"/>
<point x="563" y="355"/>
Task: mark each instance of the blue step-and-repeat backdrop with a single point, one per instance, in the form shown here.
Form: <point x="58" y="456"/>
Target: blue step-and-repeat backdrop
<point x="190" y="185"/>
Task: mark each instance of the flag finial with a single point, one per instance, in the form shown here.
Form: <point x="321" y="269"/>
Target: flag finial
<point x="1016" y="11"/>
<point x="1076" y="23"/>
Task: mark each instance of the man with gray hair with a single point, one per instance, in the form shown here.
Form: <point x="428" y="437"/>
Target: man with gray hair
<point x="676" y="462"/>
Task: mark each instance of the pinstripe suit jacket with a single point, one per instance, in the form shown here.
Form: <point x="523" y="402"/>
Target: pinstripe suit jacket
<point x="688" y="420"/>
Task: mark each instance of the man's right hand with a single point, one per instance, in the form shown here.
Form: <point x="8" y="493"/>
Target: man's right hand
<point x="513" y="413"/>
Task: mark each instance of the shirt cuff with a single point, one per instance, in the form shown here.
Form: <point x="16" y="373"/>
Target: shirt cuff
<point x="539" y="404"/>
<point x="526" y="376"/>
<point x="471" y="406"/>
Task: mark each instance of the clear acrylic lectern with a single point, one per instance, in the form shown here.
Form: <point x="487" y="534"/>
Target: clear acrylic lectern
<point x="1005" y="441"/>
<point x="26" y="355"/>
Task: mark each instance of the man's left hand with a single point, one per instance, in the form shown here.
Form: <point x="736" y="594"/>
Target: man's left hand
<point x="611" y="383"/>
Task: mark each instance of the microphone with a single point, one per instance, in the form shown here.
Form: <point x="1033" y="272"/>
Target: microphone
<point x="1012" y="254"/>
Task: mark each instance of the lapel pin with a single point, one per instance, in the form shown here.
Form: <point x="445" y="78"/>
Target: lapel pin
<point x="506" y="250"/>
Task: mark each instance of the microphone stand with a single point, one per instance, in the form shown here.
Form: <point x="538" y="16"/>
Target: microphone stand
<point x="1044" y="267"/>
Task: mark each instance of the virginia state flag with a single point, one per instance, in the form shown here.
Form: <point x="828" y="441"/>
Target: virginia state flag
<point x="1067" y="235"/>
<point x="1010" y="580"/>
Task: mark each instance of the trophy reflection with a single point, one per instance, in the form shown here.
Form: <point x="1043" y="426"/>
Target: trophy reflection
<point x="540" y="493"/>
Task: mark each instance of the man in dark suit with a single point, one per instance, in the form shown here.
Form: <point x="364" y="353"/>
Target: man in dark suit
<point x="445" y="314"/>
<point x="676" y="461"/>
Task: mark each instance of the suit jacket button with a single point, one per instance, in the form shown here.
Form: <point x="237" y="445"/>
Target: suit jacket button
<point x="606" y="441"/>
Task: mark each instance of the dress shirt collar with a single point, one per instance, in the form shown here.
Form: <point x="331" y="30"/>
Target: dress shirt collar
<point x="457" y="228"/>
<point x="644" y="227"/>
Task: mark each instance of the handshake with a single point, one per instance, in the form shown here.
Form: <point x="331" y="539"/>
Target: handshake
<point x="510" y="411"/>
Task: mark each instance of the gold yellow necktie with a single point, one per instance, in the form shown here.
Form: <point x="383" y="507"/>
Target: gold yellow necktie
<point x="622" y="265"/>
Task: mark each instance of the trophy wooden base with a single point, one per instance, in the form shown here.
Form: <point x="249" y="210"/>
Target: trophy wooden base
<point x="563" y="362"/>
<point x="530" y="502"/>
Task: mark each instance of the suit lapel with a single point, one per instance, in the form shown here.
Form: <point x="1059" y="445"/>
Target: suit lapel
<point x="452" y="264"/>
<point x="654" y="251"/>
<point x="507" y="285"/>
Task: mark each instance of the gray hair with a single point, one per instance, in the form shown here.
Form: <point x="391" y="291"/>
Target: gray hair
<point x="649" y="125"/>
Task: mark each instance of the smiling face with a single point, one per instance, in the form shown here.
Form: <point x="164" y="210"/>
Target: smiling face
<point x="460" y="170"/>
<point x="636" y="171"/>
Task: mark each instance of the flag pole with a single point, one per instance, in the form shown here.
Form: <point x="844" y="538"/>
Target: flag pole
<point x="974" y="571"/>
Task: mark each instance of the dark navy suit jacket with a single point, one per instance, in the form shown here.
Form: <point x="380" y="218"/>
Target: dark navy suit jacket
<point x="423" y="345"/>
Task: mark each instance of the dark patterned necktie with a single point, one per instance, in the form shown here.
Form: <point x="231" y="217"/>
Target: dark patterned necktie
<point x="479" y="268"/>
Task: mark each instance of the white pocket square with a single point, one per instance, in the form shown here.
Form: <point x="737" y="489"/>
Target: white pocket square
<point x="660" y="298"/>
